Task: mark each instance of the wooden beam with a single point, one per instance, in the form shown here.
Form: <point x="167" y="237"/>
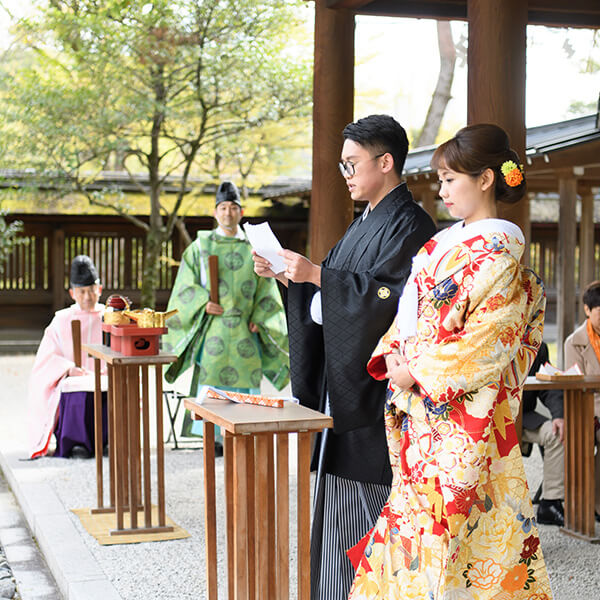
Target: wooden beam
<point x="496" y="79"/>
<point x="331" y="209"/>
<point x="441" y="9"/>
<point x="544" y="181"/>
<point x="586" y="154"/>
<point x="576" y="6"/>
<point x="567" y="240"/>
<point x="580" y="13"/>
<point x="350" y="4"/>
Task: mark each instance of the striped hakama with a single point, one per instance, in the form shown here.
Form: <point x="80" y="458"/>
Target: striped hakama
<point x="343" y="512"/>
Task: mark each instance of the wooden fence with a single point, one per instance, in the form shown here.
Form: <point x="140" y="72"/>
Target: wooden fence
<point x="35" y="280"/>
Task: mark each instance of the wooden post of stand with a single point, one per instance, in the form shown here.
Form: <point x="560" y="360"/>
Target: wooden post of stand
<point x="263" y="568"/>
<point x="132" y="407"/>
<point x="160" y="447"/>
<point x="303" y="515"/>
<point x="98" y="432"/>
<point x="210" y="513"/>
<point x="282" y="528"/>
<point x="146" y="448"/>
<point x="230" y="524"/>
<point x="112" y="428"/>
<point x="213" y="269"/>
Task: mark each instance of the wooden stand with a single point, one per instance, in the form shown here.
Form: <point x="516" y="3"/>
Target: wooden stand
<point x="129" y="456"/>
<point x="579" y="452"/>
<point x="257" y="496"/>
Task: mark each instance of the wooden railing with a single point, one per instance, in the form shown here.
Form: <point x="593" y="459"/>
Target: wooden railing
<point x="36" y="276"/>
<point x="35" y="279"/>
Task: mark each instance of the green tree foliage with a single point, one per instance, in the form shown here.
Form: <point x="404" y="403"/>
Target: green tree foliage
<point x="151" y="87"/>
<point x="590" y="65"/>
<point x="267" y="151"/>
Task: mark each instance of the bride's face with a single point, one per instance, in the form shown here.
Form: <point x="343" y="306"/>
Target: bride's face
<point x="467" y="197"/>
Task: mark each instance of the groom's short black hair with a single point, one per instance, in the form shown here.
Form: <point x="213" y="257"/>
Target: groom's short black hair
<point x="380" y="133"/>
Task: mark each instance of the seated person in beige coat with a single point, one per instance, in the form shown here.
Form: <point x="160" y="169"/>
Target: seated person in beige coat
<point x="582" y="347"/>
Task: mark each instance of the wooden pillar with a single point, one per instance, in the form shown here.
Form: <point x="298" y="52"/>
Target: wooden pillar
<point x="428" y="201"/>
<point x="567" y="239"/>
<point x="496" y="80"/>
<point x="586" y="239"/>
<point x="58" y="269"/>
<point x="331" y="208"/>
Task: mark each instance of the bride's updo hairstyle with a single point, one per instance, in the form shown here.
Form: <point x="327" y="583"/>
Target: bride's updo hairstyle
<point x="479" y="147"/>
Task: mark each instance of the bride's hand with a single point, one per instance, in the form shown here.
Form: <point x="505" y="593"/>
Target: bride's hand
<point x="397" y="371"/>
<point x="393" y="359"/>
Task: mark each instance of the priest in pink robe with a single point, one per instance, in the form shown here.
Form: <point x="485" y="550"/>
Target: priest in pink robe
<point x="54" y="372"/>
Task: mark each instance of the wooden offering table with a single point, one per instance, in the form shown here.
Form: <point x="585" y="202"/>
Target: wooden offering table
<point x="579" y="451"/>
<point x="257" y="495"/>
<point x="129" y="456"/>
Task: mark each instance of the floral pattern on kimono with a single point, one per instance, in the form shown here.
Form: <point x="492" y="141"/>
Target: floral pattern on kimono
<point x="459" y="522"/>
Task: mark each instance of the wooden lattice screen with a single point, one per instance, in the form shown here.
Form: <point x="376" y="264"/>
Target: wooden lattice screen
<point x="35" y="279"/>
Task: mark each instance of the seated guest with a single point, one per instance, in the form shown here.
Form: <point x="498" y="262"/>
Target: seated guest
<point x="54" y="371"/>
<point x="582" y="347"/>
<point x="548" y="433"/>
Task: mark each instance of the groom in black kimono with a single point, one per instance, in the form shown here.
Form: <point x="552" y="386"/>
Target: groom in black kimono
<point x="336" y="314"/>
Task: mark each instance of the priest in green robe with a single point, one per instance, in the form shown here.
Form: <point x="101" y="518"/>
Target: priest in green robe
<point x="233" y="343"/>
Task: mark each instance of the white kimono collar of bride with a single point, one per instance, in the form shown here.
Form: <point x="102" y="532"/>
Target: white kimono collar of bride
<point x="454" y="235"/>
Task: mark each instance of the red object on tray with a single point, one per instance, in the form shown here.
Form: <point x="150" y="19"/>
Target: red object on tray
<point x="131" y="340"/>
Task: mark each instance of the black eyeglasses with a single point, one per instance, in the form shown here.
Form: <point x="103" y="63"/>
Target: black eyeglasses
<point x="348" y="168"/>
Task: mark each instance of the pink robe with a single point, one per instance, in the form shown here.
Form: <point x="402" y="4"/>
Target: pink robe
<point x="53" y="360"/>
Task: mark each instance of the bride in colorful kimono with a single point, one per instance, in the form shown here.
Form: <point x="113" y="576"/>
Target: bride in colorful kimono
<point x="459" y="523"/>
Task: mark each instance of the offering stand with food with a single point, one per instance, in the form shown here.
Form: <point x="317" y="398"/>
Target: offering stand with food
<point x="133" y="332"/>
<point x="133" y="348"/>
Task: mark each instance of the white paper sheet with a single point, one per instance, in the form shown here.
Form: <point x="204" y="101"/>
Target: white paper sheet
<point x="548" y="369"/>
<point x="265" y="244"/>
<point x="203" y="391"/>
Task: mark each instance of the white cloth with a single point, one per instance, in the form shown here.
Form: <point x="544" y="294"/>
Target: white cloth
<point x="82" y="383"/>
<point x="452" y="236"/>
<point x="316" y="309"/>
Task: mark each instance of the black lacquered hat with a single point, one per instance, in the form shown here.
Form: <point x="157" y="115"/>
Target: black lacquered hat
<point x="228" y="191"/>
<point x="83" y="272"/>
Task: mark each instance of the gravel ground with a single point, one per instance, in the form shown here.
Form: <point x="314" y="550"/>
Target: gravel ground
<point x="174" y="570"/>
<point x="8" y="585"/>
<point x="169" y="570"/>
